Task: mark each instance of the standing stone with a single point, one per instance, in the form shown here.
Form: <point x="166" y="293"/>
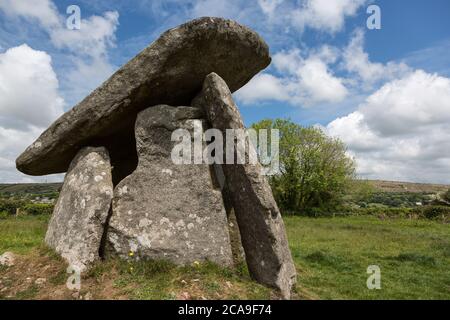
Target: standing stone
<point x="165" y="210"/>
<point x="76" y="227"/>
<point x="261" y="226"/>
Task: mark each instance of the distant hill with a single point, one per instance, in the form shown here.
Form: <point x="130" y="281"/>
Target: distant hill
<point x="397" y="186"/>
<point x="380" y="185"/>
<point x="30" y="188"/>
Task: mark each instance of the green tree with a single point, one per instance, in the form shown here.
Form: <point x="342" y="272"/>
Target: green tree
<point x="314" y="168"/>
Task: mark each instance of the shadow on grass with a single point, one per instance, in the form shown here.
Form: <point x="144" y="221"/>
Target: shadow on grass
<point x="414" y="258"/>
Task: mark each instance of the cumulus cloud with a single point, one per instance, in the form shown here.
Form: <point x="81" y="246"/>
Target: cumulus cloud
<point x="43" y="11"/>
<point x="93" y="38"/>
<point x="264" y="87"/>
<point x="356" y="61"/>
<point x="410" y="104"/>
<point x="308" y="78"/>
<point x="401" y="132"/>
<point x="306" y="81"/>
<point x="318" y="84"/>
<point x="324" y="14"/>
<point x="96" y="35"/>
<point x="281" y="15"/>
<point x="28" y="88"/>
<point x="29" y="102"/>
<point x="87" y="46"/>
<point x="89" y="53"/>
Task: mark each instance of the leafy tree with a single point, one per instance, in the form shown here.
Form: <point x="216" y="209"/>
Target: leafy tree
<point x="315" y="170"/>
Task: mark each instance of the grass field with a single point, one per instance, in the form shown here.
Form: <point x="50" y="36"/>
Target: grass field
<point x="331" y="255"/>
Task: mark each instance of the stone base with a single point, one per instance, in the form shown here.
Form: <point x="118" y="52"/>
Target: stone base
<point x="164" y="210"/>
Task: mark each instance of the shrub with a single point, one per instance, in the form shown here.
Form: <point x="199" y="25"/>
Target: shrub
<point x="433" y="212"/>
<point x="10" y="206"/>
<point x="446" y="196"/>
<point x="4" y="215"/>
<point x="36" y="209"/>
<point x="392" y="199"/>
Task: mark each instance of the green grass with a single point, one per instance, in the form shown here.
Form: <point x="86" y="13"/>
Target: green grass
<point x="333" y="254"/>
<point x="134" y="280"/>
<point x="162" y="280"/>
<point x="22" y="234"/>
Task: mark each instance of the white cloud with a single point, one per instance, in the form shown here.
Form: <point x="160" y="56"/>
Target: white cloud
<point x="401" y="132"/>
<point x="356" y="60"/>
<point x="95" y="36"/>
<point x="12" y="143"/>
<point x="44" y="11"/>
<point x="410" y="104"/>
<point x="264" y="87"/>
<point x="325" y="15"/>
<point x="269" y="7"/>
<point x="306" y="77"/>
<point x="317" y="84"/>
<point x="87" y="46"/>
<point x="28" y="88"/>
<point x="305" y="82"/>
<point x="29" y="101"/>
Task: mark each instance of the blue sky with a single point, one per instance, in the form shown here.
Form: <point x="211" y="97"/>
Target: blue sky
<point x="383" y="92"/>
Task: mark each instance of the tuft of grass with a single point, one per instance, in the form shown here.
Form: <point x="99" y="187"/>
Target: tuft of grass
<point x="28" y="294"/>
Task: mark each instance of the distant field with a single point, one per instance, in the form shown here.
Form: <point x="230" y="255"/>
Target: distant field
<point x="331" y="256"/>
<point x="30" y="188"/>
<point x="396" y="186"/>
<point x="380" y="185"/>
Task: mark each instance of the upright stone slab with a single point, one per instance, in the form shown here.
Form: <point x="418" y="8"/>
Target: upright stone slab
<point x="261" y="226"/>
<point x="165" y="210"/>
<point x="76" y="227"/>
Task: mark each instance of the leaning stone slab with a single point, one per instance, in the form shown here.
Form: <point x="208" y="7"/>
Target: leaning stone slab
<point x="165" y="210"/>
<point x="169" y="71"/>
<point x="235" y="236"/>
<point x="261" y="226"/>
<point x="76" y="228"/>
